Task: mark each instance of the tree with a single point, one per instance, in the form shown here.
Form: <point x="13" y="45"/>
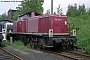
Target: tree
<point x="59" y="10"/>
<point x="54" y="12"/>
<point x="3" y="16"/>
<point x="74" y="10"/>
<point x="82" y="9"/>
<point x="88" y="10"/>
<point x="48" y="11"/>
<point x="29" y="6"/>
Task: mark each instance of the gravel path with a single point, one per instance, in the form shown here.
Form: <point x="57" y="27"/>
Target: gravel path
<point x="32" y="54"/>
<point x="4" y="56"/>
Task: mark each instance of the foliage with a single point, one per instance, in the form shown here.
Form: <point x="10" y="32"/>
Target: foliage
<point x="5" y="43"/>
<point x="82" y="28"/>
<point x="88" y="11"/>
<point x="74" y="10"/>
<point x="3" y="16"/>
<point x="54" y="12"/>
<point x="48" y="11"/>
<point x="81" y="10"/>
<point x="59" y="10"/>
<point x="20" y="45"/>
<point x="29" y="6"/>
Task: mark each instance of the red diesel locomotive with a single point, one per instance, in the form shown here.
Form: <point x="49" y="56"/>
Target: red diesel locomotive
<point x="43" y="31"/>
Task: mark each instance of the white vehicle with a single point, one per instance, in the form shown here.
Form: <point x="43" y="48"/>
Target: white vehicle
<point x="7" y="28"/>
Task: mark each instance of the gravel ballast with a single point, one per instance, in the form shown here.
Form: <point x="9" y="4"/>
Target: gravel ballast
<point x="32" y="54"/>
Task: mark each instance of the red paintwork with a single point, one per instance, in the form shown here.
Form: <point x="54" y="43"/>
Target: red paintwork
<point x="58" y="24"/>
<point x="21" y="26"/>
<point x="33" y="24"/>
<point x="15" y="26"/>
<point x="18" y="26"/>
<point x="43" y="24"/>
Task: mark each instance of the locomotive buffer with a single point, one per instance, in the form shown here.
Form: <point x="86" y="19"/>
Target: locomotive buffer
<point x="50" y="35"/>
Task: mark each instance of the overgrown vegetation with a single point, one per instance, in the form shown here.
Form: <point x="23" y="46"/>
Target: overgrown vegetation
<point x="19" y="45"/>
<point x="82" y="27"/>
<point x="4" y="44"/>
<point x="4" y="16"/>
<point x="29" y="6"/>
<point x="74" y="10"/>
<point x="80" y="16"/>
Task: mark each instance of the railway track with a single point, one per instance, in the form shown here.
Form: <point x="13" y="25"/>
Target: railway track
<point x="70" y="55"/>
<point x="6" y="55"/>
<point x="75" y="55"/>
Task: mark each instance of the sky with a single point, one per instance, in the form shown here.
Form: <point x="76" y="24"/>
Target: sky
<point x="5" y="6"/>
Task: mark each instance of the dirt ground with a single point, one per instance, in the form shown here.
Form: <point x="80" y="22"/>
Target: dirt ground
<point x="32" y="54"/>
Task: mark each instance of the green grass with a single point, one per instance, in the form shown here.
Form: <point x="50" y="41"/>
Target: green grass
<point x="82" y="26"/>
<point x="5" y="43"/>
<point x="19" y="45"/>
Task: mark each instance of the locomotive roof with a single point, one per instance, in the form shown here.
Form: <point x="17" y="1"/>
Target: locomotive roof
<point x="5" y="20"/>
<point x="28" y="13"/>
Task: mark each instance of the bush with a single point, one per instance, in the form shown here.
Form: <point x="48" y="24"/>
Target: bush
<point x="82" y="25"/>
<point x="20" y="45"/>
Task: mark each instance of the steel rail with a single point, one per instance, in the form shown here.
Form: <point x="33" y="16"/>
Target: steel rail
<point x="69" y="55"/>
<point x="79" y="54"/>
<point x="59" y="54"/>
<point x="10" y="54"/>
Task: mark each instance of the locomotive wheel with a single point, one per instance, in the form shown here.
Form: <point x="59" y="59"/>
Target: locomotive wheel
<point x="71" y="46"/>
<point x="57" y="46"/>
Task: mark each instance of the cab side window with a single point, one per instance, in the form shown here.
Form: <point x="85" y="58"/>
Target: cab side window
<point x="26" y="16"/>
<point x="19" y="18"/>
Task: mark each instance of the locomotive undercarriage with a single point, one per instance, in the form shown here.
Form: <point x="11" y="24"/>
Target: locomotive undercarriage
<point x="57" y="42"/>
<point x="64" y="42"/>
